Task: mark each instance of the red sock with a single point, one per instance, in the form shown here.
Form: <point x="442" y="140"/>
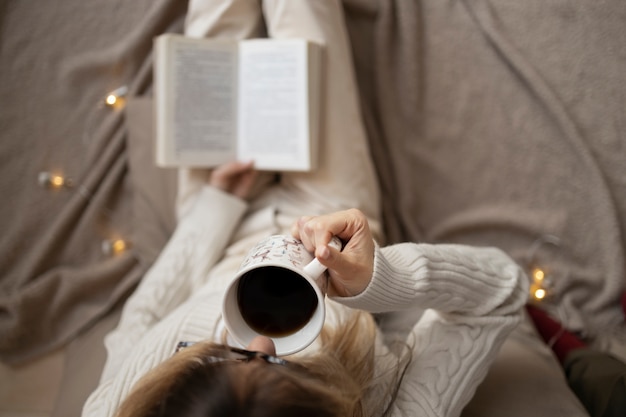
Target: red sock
<point x="554" y="334"/>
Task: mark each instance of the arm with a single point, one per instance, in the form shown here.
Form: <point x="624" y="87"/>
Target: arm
<point x="454" y="279"/>
<point x="161" y="311"/>
<point x="196" y="245"/>
<point x="472" y="297"/>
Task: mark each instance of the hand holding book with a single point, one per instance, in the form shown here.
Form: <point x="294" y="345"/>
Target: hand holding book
<point x="236" y="178"/>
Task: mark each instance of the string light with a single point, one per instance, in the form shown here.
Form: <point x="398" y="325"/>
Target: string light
<point x="539" y="293"/>
<point x="541" y="279"/>
<point x="116" y="99"/>
<point x="538" y="274"/>
<point x="50" y="180"/>
<point x="540" y="283"/>
<point x="114" y="247"/>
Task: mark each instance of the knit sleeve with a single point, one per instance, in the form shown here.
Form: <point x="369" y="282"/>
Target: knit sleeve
<point x="196" y="245"/>
<point x="472" y="299"/>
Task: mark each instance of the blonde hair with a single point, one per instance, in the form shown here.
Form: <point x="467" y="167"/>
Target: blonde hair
<point x="334" y="384"/>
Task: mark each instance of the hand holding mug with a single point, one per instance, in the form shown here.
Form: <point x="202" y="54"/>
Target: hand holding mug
<point x="279" y="289"/>
<point x="279" y="293"/>
<point x="350" y="269"/>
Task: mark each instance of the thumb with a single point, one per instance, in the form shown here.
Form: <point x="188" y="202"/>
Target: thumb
<point x="337" y="263"/>
<point x="350" y="271"/>
<point x="325" y="255"/>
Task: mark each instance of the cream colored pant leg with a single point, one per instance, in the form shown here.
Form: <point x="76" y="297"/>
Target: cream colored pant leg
<point x="346" y="176"/>
<point x="228" y="19"/>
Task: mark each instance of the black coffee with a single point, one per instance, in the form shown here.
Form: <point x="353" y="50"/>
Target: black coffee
<point x="275" y="301"/>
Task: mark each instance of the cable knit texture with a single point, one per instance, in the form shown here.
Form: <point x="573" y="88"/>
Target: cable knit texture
<point x="471" y="299"/>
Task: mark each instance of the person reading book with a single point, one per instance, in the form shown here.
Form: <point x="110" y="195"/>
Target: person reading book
<point x="471" y="297"/>
<point x="475" y="296"/>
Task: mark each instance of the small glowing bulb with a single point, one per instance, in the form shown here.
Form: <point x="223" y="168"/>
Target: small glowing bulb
<point x="538" y="274"/>
<point x="114" y="246"/>
<point x="49" y="180"/>
<point x="540" y="293"/>
<point x="115" y="99"/>
<point x="57" y="181"/>
<point x="111" y="99"/>
<point x="118" y="246"/>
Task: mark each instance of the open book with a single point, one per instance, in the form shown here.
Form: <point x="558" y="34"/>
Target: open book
<point x="218" y="101"/>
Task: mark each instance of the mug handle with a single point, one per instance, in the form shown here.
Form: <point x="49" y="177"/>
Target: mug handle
<point x="314" y="268"/>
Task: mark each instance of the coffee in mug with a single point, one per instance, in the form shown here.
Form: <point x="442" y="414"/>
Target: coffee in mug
<point x="278" y="292"/>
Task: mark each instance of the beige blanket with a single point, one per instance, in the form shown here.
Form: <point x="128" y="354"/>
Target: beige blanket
<point x="58" y="61"/>
<point x="491" y="123"/>
<point x="500" y="122"/>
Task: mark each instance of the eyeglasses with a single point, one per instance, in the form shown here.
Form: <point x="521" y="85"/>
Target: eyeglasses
<point x="227" y="353"/>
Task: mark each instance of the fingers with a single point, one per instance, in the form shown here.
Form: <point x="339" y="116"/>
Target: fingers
<point x="317" y="231"/>
<point x="350" y="269"/>
<point x="245" y="183"/>
<point x="295" y="228"/>
<point x="234" y="177"/>
<point x="225" y="173"/>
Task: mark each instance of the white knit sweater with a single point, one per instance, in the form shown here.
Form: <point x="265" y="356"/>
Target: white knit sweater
<point x="470" y="297"/>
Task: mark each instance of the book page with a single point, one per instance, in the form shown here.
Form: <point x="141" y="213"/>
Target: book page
<point x="204" y="111"/>
<point x="273" y="107"/>
<point x="197" y="95"/>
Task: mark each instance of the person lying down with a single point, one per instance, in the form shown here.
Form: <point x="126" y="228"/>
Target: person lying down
<point x="470" y="299"/>
<point x="460" y="302"/>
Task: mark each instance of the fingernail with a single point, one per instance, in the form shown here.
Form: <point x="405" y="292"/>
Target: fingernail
<point x="323" y="252"/>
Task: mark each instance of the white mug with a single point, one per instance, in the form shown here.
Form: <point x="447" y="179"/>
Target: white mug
<point x="278" y="292"/>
